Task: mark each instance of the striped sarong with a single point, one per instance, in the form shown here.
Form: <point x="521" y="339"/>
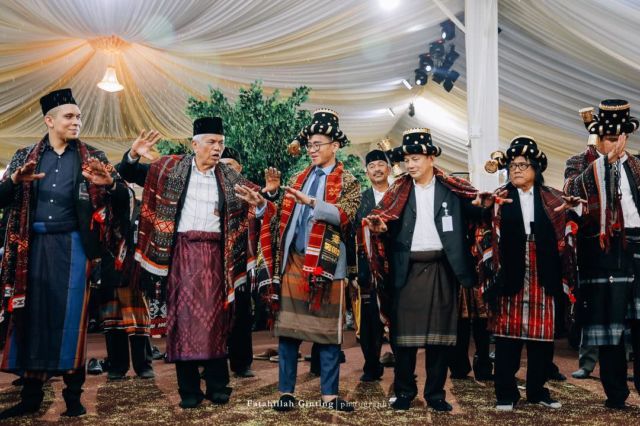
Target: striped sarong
<point x="124" y="309"/>
<point x="295" y="319"/>
<point x="530" y="313"/>
<point x="50" y="334"/>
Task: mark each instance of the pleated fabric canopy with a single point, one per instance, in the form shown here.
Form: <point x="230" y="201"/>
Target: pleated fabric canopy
<point x="555" y="57"/>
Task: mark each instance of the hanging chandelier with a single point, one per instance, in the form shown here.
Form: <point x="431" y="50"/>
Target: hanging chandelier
<point x="110" y="81"/>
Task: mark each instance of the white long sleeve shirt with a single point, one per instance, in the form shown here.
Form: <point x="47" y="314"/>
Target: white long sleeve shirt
<point x="201" y="203"/>
<point x="425" y="233"/>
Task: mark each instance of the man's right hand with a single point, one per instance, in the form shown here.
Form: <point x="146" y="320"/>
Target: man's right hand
<point x="618" y="150"/>
<point x="251" y="197"/>
<point x="26" y="173"/>
<point x="142" y="146"/>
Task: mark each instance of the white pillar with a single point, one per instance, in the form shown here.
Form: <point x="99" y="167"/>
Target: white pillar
<point x="481" y="39"/>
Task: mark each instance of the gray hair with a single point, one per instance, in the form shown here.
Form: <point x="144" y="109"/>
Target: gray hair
<point x="198" y="138"/>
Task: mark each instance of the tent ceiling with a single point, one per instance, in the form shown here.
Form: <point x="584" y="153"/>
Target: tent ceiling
<point x="555" y="57"/>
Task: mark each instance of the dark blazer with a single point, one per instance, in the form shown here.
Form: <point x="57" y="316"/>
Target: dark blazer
<point x="456" y="243"/>
<point x="367" y="203"/>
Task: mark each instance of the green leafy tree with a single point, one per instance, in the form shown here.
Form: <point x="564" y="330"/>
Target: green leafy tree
<point x="260" y="127"/>
<point x="169" y="147"/>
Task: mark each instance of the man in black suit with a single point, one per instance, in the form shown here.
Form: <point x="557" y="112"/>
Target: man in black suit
<point x="371" y="326"/>
<point x="427" y="215"/>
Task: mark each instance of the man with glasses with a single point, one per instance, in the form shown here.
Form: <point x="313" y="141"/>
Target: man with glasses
<point x="303" y="241"/>
<point x="609" y="243"/>
<point x="193" y="230"/>
<point x="531" y="259"/>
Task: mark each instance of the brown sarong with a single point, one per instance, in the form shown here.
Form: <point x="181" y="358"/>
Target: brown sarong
<point x="470" y="304"/>
<point x="426" y="308"/>
<point x="197" y="322"/>
<point x="125" y="309"/>
<point x="294" y="318"/>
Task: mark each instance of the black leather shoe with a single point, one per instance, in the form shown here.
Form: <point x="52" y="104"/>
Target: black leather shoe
<point x="245" y="373"/>
<point x="367" y="377"/>
<point x="190" y="402"/>
<point x="440" y="405"/>
<point x="20" y="409"/>
<point x="75" y="410"/>
<point x="616" y="405"/>
<point x="339" y="405"/>
<point x="557" y="376"/>
<point x="219" y="396"/>
<point x="287" y="402"/>
<point x="115" y="375"/>
<point x="147" y="374"/>
<point x="401" y="403"/>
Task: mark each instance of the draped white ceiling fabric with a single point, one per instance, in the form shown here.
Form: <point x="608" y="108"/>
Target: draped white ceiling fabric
<point x="555" y="57"/>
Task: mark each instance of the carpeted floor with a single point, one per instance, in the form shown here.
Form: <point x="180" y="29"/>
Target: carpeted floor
<point x="155" y="402"/>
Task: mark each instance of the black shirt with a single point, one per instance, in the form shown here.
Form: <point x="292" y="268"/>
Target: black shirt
<point x="56" y="201"/>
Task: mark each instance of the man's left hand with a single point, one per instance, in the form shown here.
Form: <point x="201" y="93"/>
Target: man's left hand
<point x="97" y="172"/>
<point x="570" y="202"/>
<point x="271" y="180"/>
<point x="299" y="196"/>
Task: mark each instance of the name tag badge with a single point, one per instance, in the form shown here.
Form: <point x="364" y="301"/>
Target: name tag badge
<point x="447" y="221"/>
<point x="83" y="193"/>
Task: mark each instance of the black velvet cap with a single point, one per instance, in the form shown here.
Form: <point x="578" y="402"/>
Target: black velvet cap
<point x="209" y="125"/>
<point x="231" y="153"/>
<point x="55" y="99"/>
<point x="375" y="155"/>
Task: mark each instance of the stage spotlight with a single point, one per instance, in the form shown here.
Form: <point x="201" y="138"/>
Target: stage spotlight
<point x="450" y="58"/>
<point x="412" y="110"/>
<point x="453" y="75"/>
<point x="439" y="74"/>
<point x="421" y="77"/>
<point x="452" y="55"/>
<point x="407" y="84"/>
<point x="448" y="30"/>
<point x="426" y="62"/>
<point x="436" y="49"/>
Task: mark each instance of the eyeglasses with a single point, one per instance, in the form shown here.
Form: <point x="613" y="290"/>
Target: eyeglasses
<point x="313" y="147"/>
<point x="520" y="166"/>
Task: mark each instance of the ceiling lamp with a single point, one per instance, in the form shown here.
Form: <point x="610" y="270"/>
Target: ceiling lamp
<point x="110" y="81"/>
<point x="388" y="4"/>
